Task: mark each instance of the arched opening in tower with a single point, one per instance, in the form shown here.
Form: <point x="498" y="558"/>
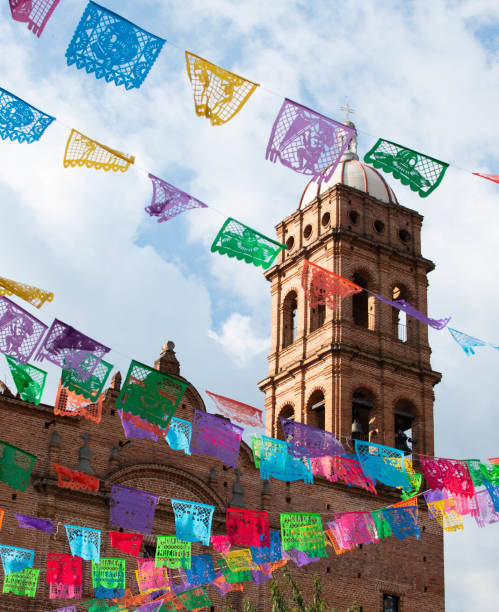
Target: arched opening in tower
<point x="316" y="413"/>
<point x="363" y="414"/>
<point x="317" y="317"/>
<point x="400" y="322"/>
<point x="287" y="412"/>
<point x="289" y="322"/>
<point x="363" y="304"/>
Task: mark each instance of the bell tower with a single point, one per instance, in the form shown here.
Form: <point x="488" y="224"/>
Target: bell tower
<point x="363" y="370"/>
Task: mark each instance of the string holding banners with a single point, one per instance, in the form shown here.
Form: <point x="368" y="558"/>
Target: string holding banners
<point x="33" y="295"/>
<point x="216" y="437"/>
<point x="382" y="463"/>
<point x="307" y="141"/>
<point x="19" y="120"/>
<point x="308" y="441"/>
<point x="246" y="244"/>
<point x="323" y="287"/>
<point x="276" y="461"/>
<point x="35" y="13"/>
<point x="83" y="151"/>
<point x="112" y="47"/>
<point x="420" y="172"/>
<point x="169" y="201"/>
<point x="218" y="94"/>
<point x="237" y="411"/>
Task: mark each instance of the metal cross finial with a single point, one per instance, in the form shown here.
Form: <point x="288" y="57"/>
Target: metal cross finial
<point x="347" y="109"/>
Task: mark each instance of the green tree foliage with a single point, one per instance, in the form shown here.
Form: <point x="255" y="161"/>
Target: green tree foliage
<point x="289" y="598"/>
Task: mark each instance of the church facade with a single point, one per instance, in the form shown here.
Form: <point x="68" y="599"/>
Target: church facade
<point x="360" y="371"/>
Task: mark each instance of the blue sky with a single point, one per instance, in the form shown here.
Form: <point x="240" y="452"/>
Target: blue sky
<point x="423" y="74"/>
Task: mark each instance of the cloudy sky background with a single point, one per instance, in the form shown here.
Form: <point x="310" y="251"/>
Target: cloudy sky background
<point x="422" y="74"/>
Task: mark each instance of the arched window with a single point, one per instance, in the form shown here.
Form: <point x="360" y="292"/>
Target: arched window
<point x="400" y="327"/>
<point x="287" y="412"/>
<point x="316" y="413"/>
<point x="363" y="406"/>
<point x="289" y="309"/>
<point x="317" y="317"/>
<point x="363" y="304"/>
<point x="403" y="421"/>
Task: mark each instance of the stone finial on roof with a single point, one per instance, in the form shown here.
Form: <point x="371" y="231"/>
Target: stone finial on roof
<point x="168" y="362"/>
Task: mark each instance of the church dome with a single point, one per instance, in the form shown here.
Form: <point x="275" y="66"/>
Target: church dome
<point x="353" y="173"/>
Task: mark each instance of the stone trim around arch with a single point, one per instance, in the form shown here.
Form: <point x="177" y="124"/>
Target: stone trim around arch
<point x="200" y="490"/>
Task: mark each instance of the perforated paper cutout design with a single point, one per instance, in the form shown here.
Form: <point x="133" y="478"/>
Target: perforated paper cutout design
<point x="383" y="528"/>
<point x="72" y="350"/>
<point x="15" y="559"/>
<point x="256" y="447"/>
<point x="94" y="385"/>
<point x="263" y="574"/>
<point x="70" y="403"/>
<point x="76" y="481"/>
<point x="34" y="296"/>
<point x="468" y="343"/>
<point x="29" y="380"/>
<point x="415" y="479"/>
<point x="490" y="472"/>
<point x="179" y="435"/>
<point x="342" y="469"/>
<point x="15" y="466"/>
<point x="307" y="142"/>
<point x="382" y="463"/>
<point x="33" y="522"/>
<point x="172" y="552"/>
<point x="356" y="528"/>
<point x="488" y="513"/>
<point x="136" y="428"/>
<point x="224" y="587"/>
<point x="201" y="570"/>
<point x="247" y="527"/>
<point x="19" y="120"/>
<point x="475" y="471"/>
<point x="307" y="441"/>
<point x="444" y="511"/>
<point x="246" y="244"/>
<point x="169" y="201"/>
<point x="240" y="560"/>
<point x="303" y="531"/>
<point x="403" y="521"/>
<point x="151" y="577"/>
<point x="218" y="94"/>
<point x="193" y="521"/>
<point x="111" y="47"/>
<point x="22" y="583"/>
<point x="231" y="576"/>
<point x="66" y="609"/>
<point x="35" y="13"/>
<point x="334" y="540"/>
<point x="413" y="312"/>
<point x="276" y="461"/>
<point x="221" y="544"/>
<point x="215" y="437"/>
<point x="128" y="543"/>
<point x="237" y="411"/>
<point x="84" y="542"/>
<point x="65" y="571"/>
<point x="268" y="554"/>
<point x="420" y="172"/>
<point x="194" y="598"/>
<point x="108" y="578"/>
<point x="132" y="509"/>
<point x="493" y="491"/>
<point x="323" y="287"/>
<point x="150" y="394"/>
<point x="299" y="557"/>
<point x="491" y="177"/>
<point x="20" y="332"/>
<point x="450" y="474"/>
<point x="83" y="151"/>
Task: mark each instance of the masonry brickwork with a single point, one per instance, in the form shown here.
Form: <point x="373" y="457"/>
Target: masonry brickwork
<point x="337" y="359"/>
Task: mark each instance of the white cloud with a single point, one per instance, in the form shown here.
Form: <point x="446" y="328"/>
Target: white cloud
<point x="238" y="338"/>
<point x="416" y="73"/>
